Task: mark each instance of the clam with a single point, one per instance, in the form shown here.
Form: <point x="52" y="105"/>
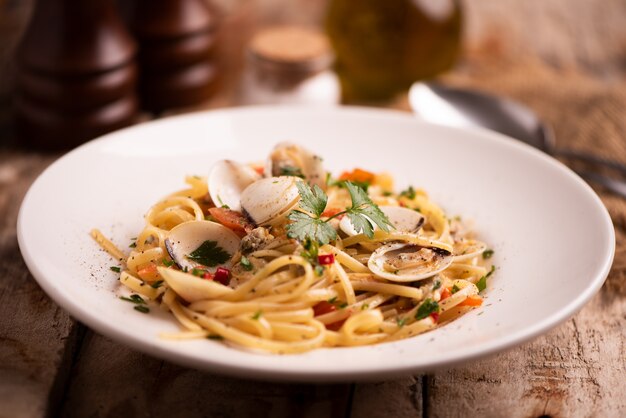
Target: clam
<point x="406" y="262"/>
<point x="465" y="249"/>
<point x="268" y="200"/>
<point x="402" y="219"/>
<point x="192" y="288"/>
<point x="201" y="244"/>
<point x="289" y="159"/>
<point x="227" y="180"/>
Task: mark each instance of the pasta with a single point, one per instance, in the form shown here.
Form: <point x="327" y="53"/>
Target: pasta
<point x="286" y="259"/>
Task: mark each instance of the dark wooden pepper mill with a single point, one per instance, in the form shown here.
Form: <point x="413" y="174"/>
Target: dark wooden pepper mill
<point x="176" y="52"/>
<point x="76" y="74"/>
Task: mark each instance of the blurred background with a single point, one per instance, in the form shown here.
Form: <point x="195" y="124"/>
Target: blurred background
<point x="100" y="65"/>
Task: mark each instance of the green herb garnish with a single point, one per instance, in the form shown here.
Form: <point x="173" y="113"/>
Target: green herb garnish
<point x="401" y="322"/>
<point x="455" y="289"/>
<point x="214" y="337"/>
<point x="168" y="263"/>
<point x="343" y="305"/>
<point x="482" y="283"/>
<point x="428" y="307"/>
<point x="142" y="309"/>
<point x="363" y="214"/>
<point x="257" y="315"/>
<point x="289" y="170"/>
<point x="437" y="284"/>
<point x="245" y="263"/>
<point x="408" y="193"/>
<point x="488" y="253"/>
<point x="209" y="254"/>
<point x="132" y="245"/>
<point x="134" y="299"/>
<point x="332" y="300"/>
<point x="115" y="269"/>
<point x="157" y="284"/>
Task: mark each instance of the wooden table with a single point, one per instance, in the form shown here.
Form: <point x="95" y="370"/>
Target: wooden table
<point x="564" y="58"/>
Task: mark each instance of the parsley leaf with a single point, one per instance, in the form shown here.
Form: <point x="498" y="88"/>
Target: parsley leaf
<point x="488" y="253"/>
<point x="142" y="309"/>
<point x="157" y="284"/>
<point x="209" y="254"/>
<point x="245" y="263"/>
<point x="257" y="315"/>
<point x="408" y="193"/>
<point x="401" y="322"/>
<point x="312" y="200"/>
<point x="428" y="307"/>
<point x="115" y="269"/>
<point x="455" y="289"/>
<point x="482" y="283"/>
<point x="289" y="170"/>
<point x="364" y="213"/>
<point x="304" y="227"/>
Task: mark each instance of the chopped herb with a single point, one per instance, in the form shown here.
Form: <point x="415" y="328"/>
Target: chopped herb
<point x="332" y="300"/>
<point x="401" y="322"/>
<point x="363" y="212"/>
<point x="343" y="305"/>
<point x="257" y="315"/>
<point x="214" y="337"/>
<point x="210" y="218"/>
<point x="134" y="299"/>
<point x="319" y="270"/>
<point x="428" y="307"/>
<point x="185" y="269"/>
<point x="289" y="170"/>
<point x="417" y="210"/>
<point x="482" y="283"/>
<point x="133" y="245"/>
<point x="408" y="193"/>
<point x="168" y="263"/>
<point x="455" y="289"/>
<point x="115" y="269"/>
<point x="488" y="253"/>
<point x="219" y="199"/>
<point x="387" y="193"/>
<point x="209" y="254"/>
<point x="198" y="272"/>
<point x="142" y="309"/>
<point x="437" y="284"/>
<point x="245" y="263"/>
<point x="157" y="284"/>
<point x="133" y="239"/>
<point x="365" y="306"/>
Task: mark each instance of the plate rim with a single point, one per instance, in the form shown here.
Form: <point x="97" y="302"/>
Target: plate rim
<point x="374" y="371"/>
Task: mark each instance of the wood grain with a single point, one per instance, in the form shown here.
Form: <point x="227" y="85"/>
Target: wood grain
<point x="36" y="336"/>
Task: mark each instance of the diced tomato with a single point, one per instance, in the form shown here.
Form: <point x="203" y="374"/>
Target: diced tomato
<point x="259" y="169"/>
<point x="445" y="293"/>
<point x="335" y="326"/>
<point x="232" y="219"/>
<point x="326" y="259"/>
<point x="222" y="275"/>
<point x="323" y="307"/>
<point x="330" y="212"/>
<point x="358" y="175"/>
<point x="435" y="316"/>
<point x="208" y="276"/>
<point x="148" y="272"/>
<point x="472" y="301"/>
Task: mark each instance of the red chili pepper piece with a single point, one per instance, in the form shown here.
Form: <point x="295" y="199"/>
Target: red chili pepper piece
<point x="326" y="259"/>
<point x="207" y="275"/>
<point x="323" y="307"/>
<point x="435" y="316"/>
<point x="222" y="275"/>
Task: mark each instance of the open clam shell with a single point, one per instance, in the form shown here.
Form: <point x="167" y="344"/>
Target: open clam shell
<point x="405" y="262"/>
<point x="288" y="159"/>
<point x="465" y="249"/>
<point x="188" y="237"/>
<point x="266" y="201"/>
<point x="227" y="180"/>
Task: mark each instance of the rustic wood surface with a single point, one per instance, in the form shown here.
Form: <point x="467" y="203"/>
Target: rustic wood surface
<point x="564" y="58"/>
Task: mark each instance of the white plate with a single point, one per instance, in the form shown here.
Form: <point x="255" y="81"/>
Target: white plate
<point x="553" y="238"/>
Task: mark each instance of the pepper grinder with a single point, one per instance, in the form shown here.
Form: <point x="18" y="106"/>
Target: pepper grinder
<point x="176" y="52"/>
<point x="76" y="74"/>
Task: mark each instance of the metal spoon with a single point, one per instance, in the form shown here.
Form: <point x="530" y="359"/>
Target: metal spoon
<point x="468" y="108"/>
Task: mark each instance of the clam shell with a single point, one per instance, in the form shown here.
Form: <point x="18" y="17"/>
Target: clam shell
<point x="421" y="262"/>
<point x="227" y="180"/>
<point x="185" y="238"/>
<point x="403" y="220"/>
<point x="266" y="201"/>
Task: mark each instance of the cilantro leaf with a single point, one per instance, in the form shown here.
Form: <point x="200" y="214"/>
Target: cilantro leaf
<point x="408" y="193"/>
<point x="312" y="200"/>
<point x="209" y="254"/>
<point x="364" y="213"/>
<point x="289" y="170"/>
<point x="428" y="307"/>
<point x="305" y="227"/>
